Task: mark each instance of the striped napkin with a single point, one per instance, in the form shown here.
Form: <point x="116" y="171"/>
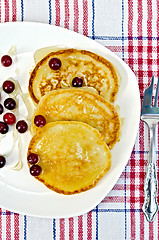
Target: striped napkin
<point x="131" y="30"/>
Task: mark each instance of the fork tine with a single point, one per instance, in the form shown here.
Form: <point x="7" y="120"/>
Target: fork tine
<point x="156" y="95"/>
<point x="148" y="94"/>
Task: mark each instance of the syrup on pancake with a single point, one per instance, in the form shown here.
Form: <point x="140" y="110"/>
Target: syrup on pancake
<point x="96" y="72"/>
<point x="82" y="106"/>
<point x="72" y="155"/>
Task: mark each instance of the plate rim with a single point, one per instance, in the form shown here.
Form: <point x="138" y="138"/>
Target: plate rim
<point x="134" y="135"/>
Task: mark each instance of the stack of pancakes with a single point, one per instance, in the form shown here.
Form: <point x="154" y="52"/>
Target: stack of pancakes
<point x="82" y="124"/>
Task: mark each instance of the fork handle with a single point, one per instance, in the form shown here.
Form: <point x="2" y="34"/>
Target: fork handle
<point x="150" y="206"/>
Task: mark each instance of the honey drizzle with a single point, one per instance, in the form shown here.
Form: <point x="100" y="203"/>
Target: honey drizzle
<point x="30" y="110"/>
<point x="19" y="164"/>
<point x="25" y="97"/>
<point x="15" y="137"/>
<point x="2" y="136"/>
<point x="13" y="52"/>
<point x="42" y="52"/>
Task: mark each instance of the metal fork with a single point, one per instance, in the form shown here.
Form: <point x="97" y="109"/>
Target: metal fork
<point x="150" y="115"/>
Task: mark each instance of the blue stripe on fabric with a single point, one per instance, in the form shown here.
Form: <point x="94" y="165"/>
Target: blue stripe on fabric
<point x="139" y="152"/>
<point x="123" y="29"/>
<point x="96" y="209"/>
<point x="54" y="229"/>
<point x="93" y="18"/>
<point x="6" y="213"/>
<point x="50" y="12"/>
<point x="25" y="227"/>
<point x="125" y="167"/>
<point x="123" y="38"/>
<point x="22" y="10"/>
<point x="116" y="210"/>
<point x="143" y="152"/>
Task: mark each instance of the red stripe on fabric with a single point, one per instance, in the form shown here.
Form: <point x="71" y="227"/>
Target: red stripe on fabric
<point x="132" y="197"/>
<point x="67" y="14"/>
<point x="134" y="174"/>
<point x="16" y="226"/>
<point x="115" y="199"/>
<point x="80" y="228"/>
<point x="117" y="48"/>
<point x="76" y="16"/>
<point x="89" y="225"/>
<point x="14" y="10"/>
<point x="62" y="229"/>
<point x="8" y="225"/>
<point x="135" y="48"/>
<point x="57" y="10"/>
<point x="118" y="187"/>
<point x="0" y="224"/>
<point x="151" y="231"/>
<point x="130" y="18"/>
<point x="144" y="61"/>
<point x="130" y="32"/>
<point x="6" y="3"/>
<point x="145" y="74"/>
<point x="149" y="33"/>
<point x="149" y="18"/>
<point x="71" y="229"/>
<point x="85" y="17"/>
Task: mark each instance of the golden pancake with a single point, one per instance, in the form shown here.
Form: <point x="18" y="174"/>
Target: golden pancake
<point x="94" y="70"/>
<point x="72" y="155"/>
<point x="83" y="106"/>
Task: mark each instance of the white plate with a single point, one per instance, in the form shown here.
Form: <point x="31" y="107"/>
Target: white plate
<point x="19" y="191"/>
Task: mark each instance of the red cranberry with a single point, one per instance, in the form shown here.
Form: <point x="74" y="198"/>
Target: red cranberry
<point x="77" y="82"/>
<point x="54" y="63"/>
<point x="39" y="121"/>
<point x="10" y="103"/>
<point x="21" y="126"/>
<point x="35" y="170"/>
<point x="3" y="128"/>
<point x="32" y="158"/>
<point x="2" y="161"/>
<point x="1" y="109"/>
<point x="9" y="118"/>
<point x="6" y="60"/>
<point x="8" y="86"/>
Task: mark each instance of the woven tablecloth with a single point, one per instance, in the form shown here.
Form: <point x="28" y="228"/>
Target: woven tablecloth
<point x="129" y="28"/>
